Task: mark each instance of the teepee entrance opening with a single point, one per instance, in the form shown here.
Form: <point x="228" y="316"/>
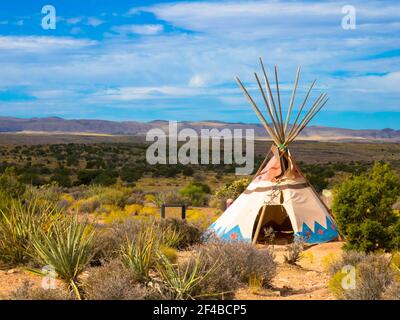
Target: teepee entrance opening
<point x="275" y="225"/>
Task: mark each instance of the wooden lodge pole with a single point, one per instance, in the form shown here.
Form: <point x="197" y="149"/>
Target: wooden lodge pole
<point x="259" y="224"/>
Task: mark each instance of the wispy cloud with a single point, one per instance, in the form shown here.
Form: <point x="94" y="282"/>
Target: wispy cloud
<point x="94" y="22"/>
<point x="74" y="20"/>
<point x="42" y="43"/>
<point x="142" y="29"/>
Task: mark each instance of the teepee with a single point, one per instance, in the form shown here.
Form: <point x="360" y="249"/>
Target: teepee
<point x="279" y="196"/>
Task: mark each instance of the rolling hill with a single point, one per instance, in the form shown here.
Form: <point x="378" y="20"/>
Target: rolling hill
<point x="82" y="126"/>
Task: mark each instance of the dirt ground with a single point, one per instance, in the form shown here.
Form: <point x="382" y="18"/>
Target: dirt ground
<point x="306" y="281"/>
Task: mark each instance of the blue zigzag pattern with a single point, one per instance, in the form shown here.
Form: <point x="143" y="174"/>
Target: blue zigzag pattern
<point x="319" y="235"/>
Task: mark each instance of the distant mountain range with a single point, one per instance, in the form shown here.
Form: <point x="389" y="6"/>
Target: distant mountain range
<point x="59" y="125"/>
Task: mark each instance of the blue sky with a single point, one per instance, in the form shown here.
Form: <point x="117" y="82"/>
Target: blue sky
<point x="146" y="60"/>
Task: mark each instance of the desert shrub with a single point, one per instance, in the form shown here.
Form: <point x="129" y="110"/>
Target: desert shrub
<point x="149" y="212"/>
<point x="218" y="203"/>
<point x="113" y="281"/>
<point x="68" y="249"/>
<point x="232" y="190"/>
<point x="195" y="193"/>
<point x="138" y="255"/>
<point x="174" y="233"/>
<point x="351" y="258"/>
<point x="62" y="179"/>
<point x="115" y="214"/>
<point x="373" y="277"/>
<point x="135" y="198"/>
<point x="49" y="194"/>
<point x="392" y="292"/>
<point x="151" y="198"/>
<point x="189" y="234"/>
<point x="238" y="262"/>
<point x="116" y="195"/>
<point x="162" y="198"/>
<point x="394" y="231"/>
<point x="112" y="237"/>
<point x="168" y="235"/>
<point x="363" y="209"/>
<point x="294" y="251"/>
<point x="395" y="264"/>
<point x="199" y="218"/>
<point x="27" y="291"/>
<point x="88" y="205"/>
<point x="170" y="253"/>
<point x="10" y="186"/>
<point x="182" y="282"/>
<point x="133" y="209"/>
<point x="19" y="222"/>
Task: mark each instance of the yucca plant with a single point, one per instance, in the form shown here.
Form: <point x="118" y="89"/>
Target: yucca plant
<point x="183" y="283"/>
<point x="169" y="236"/>
<point x="68" y="249"/>
<point x="18" y="223"/>
<point x="138" y="255"/>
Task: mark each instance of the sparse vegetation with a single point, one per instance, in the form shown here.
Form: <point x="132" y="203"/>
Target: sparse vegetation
<point x="118" y="248"/>
<point x="369" y="277"/>
<point x="239" y="261"/>
<point x="27" y="291"/>
<point x="113" y="281"/>
<point x="294" y="251"/>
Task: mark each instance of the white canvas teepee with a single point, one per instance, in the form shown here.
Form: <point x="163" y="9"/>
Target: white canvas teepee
<point x="279" y="196"/>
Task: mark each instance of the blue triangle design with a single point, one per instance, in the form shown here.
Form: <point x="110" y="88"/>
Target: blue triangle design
<point x="320" y="234"/>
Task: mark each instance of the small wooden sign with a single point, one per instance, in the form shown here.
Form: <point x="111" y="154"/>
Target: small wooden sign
<point x="182" y="206"/>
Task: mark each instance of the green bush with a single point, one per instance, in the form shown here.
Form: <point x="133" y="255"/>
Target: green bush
<point x="196" y="193"/>
<point x="363" y="209"/>
<point x="230" y="191"/>
<point x="189" y="234"/>
<point x="9" y="183"/>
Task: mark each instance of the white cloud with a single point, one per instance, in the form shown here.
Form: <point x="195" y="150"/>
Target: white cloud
<point x="42" y="43"/>
<point x="142" y="29"/>
<point x="197" y="81"/>
<point x="228" y="39"/>
<point x="94" y="22"/>
<point x="261" y="19"/>
<point x="138" y="93"/>
<point x="74" y="20"/>
<point x="372" y="84"/>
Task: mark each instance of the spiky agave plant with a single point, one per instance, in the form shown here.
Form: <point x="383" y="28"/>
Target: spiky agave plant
<point x="69" y="248"/>
<point x="138" y="255"/>
<point x="183" y="283"/>
<point x="169" y="235"/>
<point x="18" y="223"/>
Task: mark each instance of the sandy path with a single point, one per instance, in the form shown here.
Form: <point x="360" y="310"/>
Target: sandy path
<point x="307" y="281"/>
